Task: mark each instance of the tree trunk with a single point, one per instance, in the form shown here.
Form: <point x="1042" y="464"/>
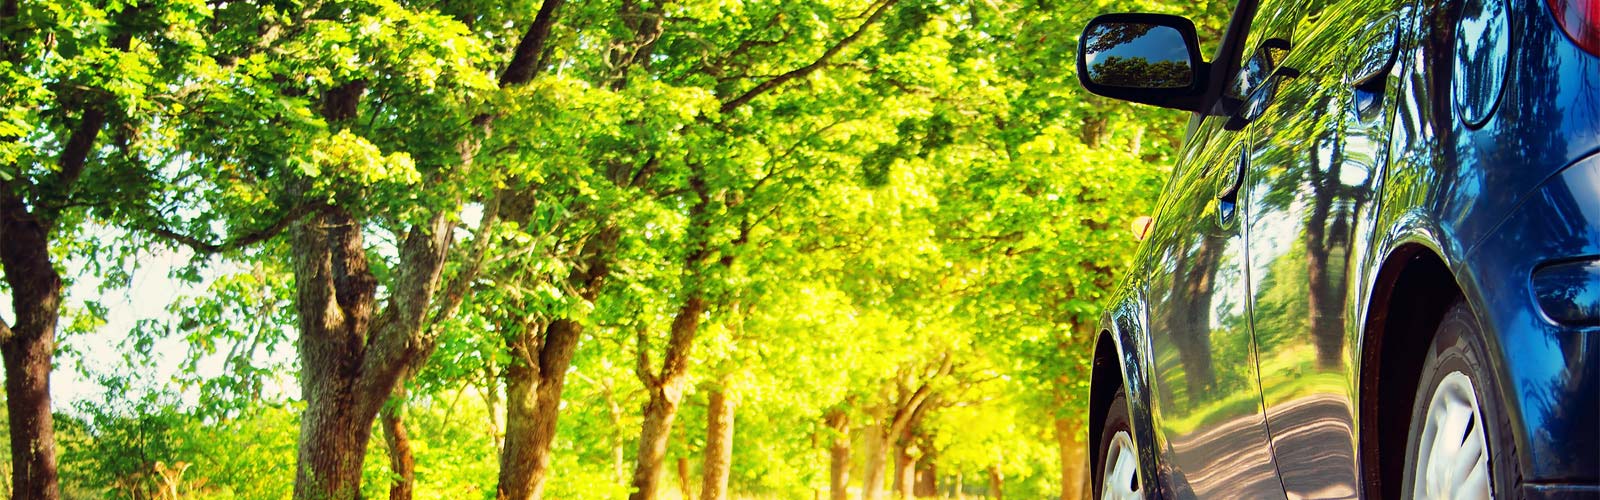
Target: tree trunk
<point x="927" y="471"/>
<point x="719" y="446"/>
<point x="960" y="487"/>
<point x="839" y="456"/>
<point x="877" y="459"/>
<point x="907" y="431"/>
<point x="516" y="458"/>
<point x="533" y="406"/>
<point x="619" y="438"/>
<point x="28" y="347"/>
<point x="659" y="413"/>
<point x="1074" y="460"/>
<point x="997" y="483"/>
<point x="333" y="442"/>
<point x="904" y="469"/>
<point x="401" y="461"/>
<point x="350" y="358"/>
<point x="666" y="391"/>
<point x="685" y="490"/>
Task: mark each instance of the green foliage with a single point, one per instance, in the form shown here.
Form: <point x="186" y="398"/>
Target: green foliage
<point x="121" y="448"/>
<point x="937" y="189"/>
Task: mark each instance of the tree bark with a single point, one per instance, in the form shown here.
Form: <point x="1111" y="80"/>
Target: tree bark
<point x="402" y="463"/>
<point x="658" y="415"/>
<point x="1074" y="460"/>
<point x="28" y="347"/>
<point x="719" y="446"/>
<point x="926" y="469"/>
<point x="537" y="374"/>
<point x="881" y="436"/>
<point x="685" y="489"/>
<point x="334" y="295"/>
<point x="350" y="358"/>
<point x="839" y="455"/>
<point x="619" y="438"/>
<point x="905" y="474"/>
<point x="877" y="460"/>
<point x="997" y="483"/>
<point x="904" y="469"/>
<point x="533" y="407"/>
<point x="666" y="392"/>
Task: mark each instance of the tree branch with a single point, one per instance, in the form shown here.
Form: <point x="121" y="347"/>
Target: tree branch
<point x="455" y="292"/>
<point x="641" y="367"/>
<point x="803" y="71"/>
<point x="525" y="61"/>
<point x="204" y="247"/>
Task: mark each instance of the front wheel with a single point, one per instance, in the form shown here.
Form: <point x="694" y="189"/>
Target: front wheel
<point x="1459" y="445"/>
<point x="1116" y="465"/>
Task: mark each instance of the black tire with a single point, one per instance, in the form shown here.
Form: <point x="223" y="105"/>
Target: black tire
<point x="1458" y="346"/>
<point x="1116" y="420"/>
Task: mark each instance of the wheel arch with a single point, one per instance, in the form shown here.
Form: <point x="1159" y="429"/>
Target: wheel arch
<point x="1412" y="291"/>
<point x="1106" y="378"/>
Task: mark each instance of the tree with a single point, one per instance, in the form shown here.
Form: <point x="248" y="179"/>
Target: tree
<point x="381" y="99"/>
<point x="77" y="91"/>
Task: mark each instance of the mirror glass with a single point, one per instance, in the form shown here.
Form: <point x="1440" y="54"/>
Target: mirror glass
<point x="1137" y="55"/>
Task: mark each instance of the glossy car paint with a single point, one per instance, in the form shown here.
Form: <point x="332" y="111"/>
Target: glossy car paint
<point x="1463" y="131"/>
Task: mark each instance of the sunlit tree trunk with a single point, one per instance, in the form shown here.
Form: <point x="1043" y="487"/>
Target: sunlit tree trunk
<point x="839" y="455"/>
<point x="685" y="485"/>
<point x="927" y="468"/>
<point x="665" y="390"/>
<point x="1074" y="461"/>
<point x="904" y="470"/>
<point x="877" y="460"/>
<point x="904" y="464"/>
<point x="619" y="438"/>
<point x="402" y="463"/>
<point x="535" y="380"/>
<point x="997" y="483"/>
<point x="719" y="446"/>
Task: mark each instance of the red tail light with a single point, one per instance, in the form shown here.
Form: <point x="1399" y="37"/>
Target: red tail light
<point x="1581" y="20"/>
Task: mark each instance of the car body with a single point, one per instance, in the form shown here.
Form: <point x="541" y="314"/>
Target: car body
<point x="1352" y="167"/>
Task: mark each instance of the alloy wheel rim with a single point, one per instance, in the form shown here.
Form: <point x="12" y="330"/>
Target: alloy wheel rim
<point x="1122" y="474"/>
<point x="1452" y="454"/>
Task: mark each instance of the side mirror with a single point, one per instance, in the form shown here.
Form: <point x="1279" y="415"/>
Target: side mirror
<point x="1143" y="58"/>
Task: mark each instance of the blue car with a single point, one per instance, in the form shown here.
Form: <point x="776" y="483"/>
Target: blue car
<point x="1375" y="271"/>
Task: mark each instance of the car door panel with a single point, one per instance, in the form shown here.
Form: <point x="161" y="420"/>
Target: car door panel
<point x="1206" y="402"/>
<point x="1313" y="163"/>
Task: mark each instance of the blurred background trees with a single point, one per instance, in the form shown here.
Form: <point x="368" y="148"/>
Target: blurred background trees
<point x="528" y="249"/>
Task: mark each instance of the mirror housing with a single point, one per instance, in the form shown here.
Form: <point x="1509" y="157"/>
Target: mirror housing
<point x="1144" y="58"/>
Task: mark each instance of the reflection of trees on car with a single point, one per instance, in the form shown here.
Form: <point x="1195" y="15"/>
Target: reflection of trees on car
<point x="1188" y="318"/>
<point x="1140" y="72"/>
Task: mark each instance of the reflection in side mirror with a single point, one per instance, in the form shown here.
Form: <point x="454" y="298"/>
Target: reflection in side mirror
<point x="1144" y="58"/>
<point x="1137" y="55"/>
